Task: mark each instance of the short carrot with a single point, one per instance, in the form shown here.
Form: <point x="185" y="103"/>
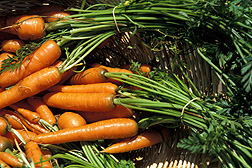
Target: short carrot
<point x="4" y="126"/>
<point x="90" y="102"/>
<point x="89" y="76"/>
<point x="70" y="120"/>
<point x="12" y="45"/>
<point x="13" y="118"/>
<point x="5" y="143"/>
<point x="105" y="129"/>
<point x="118" y="112"/>
<point x="88" y="88"/>
<point x="144" y="139"/>
<point x="11" y="159"/>
<point x="41" y="58"/>
<point x="33" y="153"/>
<point x="31" y="85"/>
<point x="42" y="109"/>
<point x="145" y="69"/>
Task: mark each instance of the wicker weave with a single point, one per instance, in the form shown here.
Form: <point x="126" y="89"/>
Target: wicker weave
<point x="119" y="50"/>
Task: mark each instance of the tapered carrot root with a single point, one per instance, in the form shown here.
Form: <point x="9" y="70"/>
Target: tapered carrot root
<point x="42" y="109"/>
<point x="89" y="76"/>
<point x="31" y="85"/>
<point x="10" y="159"/>
<point x="90" y="102"/>
<point x="118" y="112"/>
<point x="43" y="57"/>
<point x="70" y="120"/>
<point x="144" y="139"/>
<point x="88" y="88"/>
<point x="33" y="152"/>
<point x="105" y="129"/>
<point x="12" y="45"/>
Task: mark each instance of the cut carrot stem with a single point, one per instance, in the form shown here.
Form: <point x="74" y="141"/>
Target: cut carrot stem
<point x="12" y="45"/>
<point x="89" y="76"/>
<point x="105" y="129"/>
<point x="10" y="159"/>
<point x="70" y="120"/>
<point x="88" y="88"/>
<point x="90" y="102"/>
<point x="41" y="58"/>
<point x="31" y="85"/>
<point x="42" y="109"/>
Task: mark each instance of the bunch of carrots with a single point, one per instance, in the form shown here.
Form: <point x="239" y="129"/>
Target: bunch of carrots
<point x="47" y="101"/>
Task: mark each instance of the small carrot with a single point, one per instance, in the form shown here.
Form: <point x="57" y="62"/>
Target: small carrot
<point x="147" y="138"/>
<point x="3" y="164"/>
<point x="4" y="56"/>
<point x="88" y="88"/>
<point x="118" y="112"/>
<point x="105" y="129"/>
<point x="145" y="69"/>
<point x="31" y="85"/>
<point x="13" y="118"/>
<point x="5" y="143"/>
<point x="11" y="159"/>
<point x="41" y="58"/>
<point x="12" y="45"/>
<point x="34" y="127"/>
<point x="70" y="120"/>
<point x="90" y="102"/>
<point x="89" y="76"/>
<point x="42" y="109"/>
<point x="54" y="15"/>
<point x="26" y="134"/>
<point x="4" y="126"/>
<point x="33" y="153"/>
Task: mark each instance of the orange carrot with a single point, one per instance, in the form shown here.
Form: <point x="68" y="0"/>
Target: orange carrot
<point x="54" y="15"/>
<point x="105" y="129"/>
<point x="44" y="56"/>
<point x="31" y="85"/>
<point x="3" y="164"/>
<point x="89" y="76"/>
<point x="34" y="127"/>
<point x="118" y="112"/>
<point x="14" y="120"/>
<point x="70" y="120"/>
<point x="4" y="126"/>
<point x="10" y="159"/>
<point x="90" y="102"/>
<point x="145" y="69"/>
<point x="12" y="45"/>
<point x="31" y="116"/>
<point x="144" y="139"/>
<point x="88" y="88"/>
<point x="27" y="135"/>
<point x="4" y="56"/>
<point x="33" y="153"/>
<point x="42" y="109"/>
<point x="5" y="143"/>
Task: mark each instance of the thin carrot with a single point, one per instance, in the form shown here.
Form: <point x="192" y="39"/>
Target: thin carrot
<point x="90" y="102"/>
<point x="34" y="127"/>
<point x="14" y="120"/>
<point x="105" y="129"/>
<point x="10" y="159"/>
<point x="118" y="112"/>
<point x="89" y="76"/>
<point x="42" y="109"/>
<point x="3" y="164"/>
<point x="33" y="153"/>
<point x="26" y="134"/>
<point x="44" y="56"/>
<point x="4" y="126"/>
<point x="31" y="116"/>
<point x="144" y="139"/>
<point x="88" y="88"/>
<point x="12" y="45"/>
<point x="31" y="85"/>
<point x="54" y="15"/>
<point x="70" y="120"/>
<point x="5" y="143"/>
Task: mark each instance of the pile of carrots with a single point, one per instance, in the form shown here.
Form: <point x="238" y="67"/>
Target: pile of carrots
<point x="43" y="104"/>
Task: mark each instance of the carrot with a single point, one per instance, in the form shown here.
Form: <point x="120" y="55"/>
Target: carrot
<point x="31" y="85"/>
<point x="31" y="116"/>
<point x="105" y="129"/>
<point x="145" y="69"/>
<point x="3" y="164"/>
<point x="89" y="76"/>
<point x="5" y="143"/>
<point x="44" y="56"/>
<point x="90" y="102"/>
<point x="33" y="153"/>
<point x="4" y="126"/>
<point x="144" y="139"/>
<point x="42" y="109"/>
<point x="54" y="15"/>
<point x="12" y="45"/>
<point x="27" y="135"/>
<point x="70" y="120"/>
<point x="88" y="88"/>
<point x="10" y="159"/>
<point x="14" y="120"/>
<point x="118" y="112"/>
<point x="34" y="127"/>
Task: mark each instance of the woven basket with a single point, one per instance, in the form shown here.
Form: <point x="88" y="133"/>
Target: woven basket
<point x="120" y="50"/>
